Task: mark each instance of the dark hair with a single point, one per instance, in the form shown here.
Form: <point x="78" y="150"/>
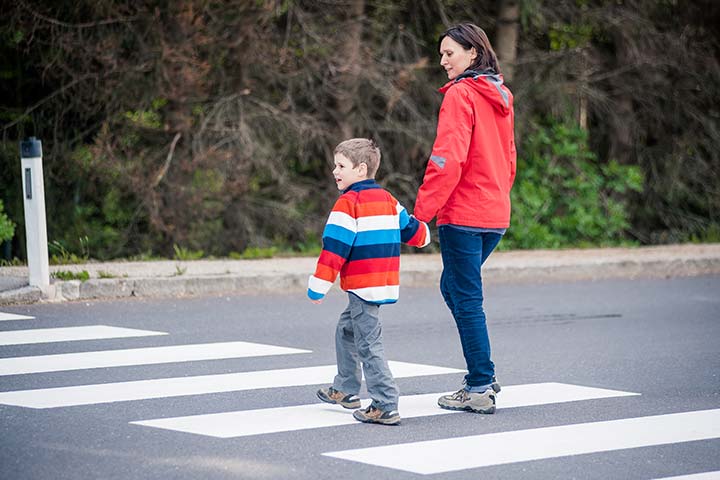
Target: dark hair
<point x="469" y="35"/>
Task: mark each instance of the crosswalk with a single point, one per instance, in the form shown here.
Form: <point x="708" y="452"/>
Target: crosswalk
<point x="13" y="316"/>
<point x="70" y="334"/>
<point x="284" y="419"/>
<point x="197" y="385"/>
<point x="139" y="356"/>
<point x="420" y="457"/>
<point x="453" y="454"/>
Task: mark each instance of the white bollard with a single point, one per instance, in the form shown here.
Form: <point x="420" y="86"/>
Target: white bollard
<point x="35" y="224"/>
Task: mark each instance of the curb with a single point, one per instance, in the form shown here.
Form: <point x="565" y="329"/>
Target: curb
<point x="289" y="275"/>
<point x="21" y="296"/>
<point x="152" y="287"/>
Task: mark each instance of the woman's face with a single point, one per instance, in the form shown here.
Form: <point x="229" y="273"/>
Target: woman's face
<point x="454" y="58"/>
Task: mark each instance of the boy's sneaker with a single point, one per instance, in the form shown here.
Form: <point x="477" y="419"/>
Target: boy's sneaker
<point x="375" y="415"/>
<point x="473" y="402"/>
<point x="330" y="395"/>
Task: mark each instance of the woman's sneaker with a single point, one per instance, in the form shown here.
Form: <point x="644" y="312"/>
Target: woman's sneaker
<point x="330" y="395"/>
<point x="375" y="415"/>
<point x="473" y="402"/>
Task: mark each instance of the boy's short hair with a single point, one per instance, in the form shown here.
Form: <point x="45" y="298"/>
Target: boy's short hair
<point x="361" y="150"/>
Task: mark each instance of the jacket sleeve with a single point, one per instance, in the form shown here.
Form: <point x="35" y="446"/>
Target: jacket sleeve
<point x="449" y="153"/>
<point x="412" y="231"/>
<point x="513" y="149"/>
<point x="338" y="238"/>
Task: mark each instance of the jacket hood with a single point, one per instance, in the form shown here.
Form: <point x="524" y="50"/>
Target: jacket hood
<point x="488" y="84"/>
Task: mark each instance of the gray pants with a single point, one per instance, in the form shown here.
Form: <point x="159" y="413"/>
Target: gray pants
<point x="358" y="340"/>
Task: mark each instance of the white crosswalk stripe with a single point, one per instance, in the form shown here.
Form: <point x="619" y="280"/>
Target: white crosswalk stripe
<point x="13" y="316"/>
<point x="697" y="476"/>
<point x="70" y="334"/>
<point x="204" y="384"/>
<point x="273" y="420"/>
<point x="424" y="457"/>
<point x="139" y="356"/>
<point x="462" y="453"/>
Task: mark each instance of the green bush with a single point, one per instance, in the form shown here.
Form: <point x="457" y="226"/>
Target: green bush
<point x="564" y="197"/>
<point x="7" y="227"/>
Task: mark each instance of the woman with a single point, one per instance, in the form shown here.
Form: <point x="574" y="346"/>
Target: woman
<point x="467" y="186"/>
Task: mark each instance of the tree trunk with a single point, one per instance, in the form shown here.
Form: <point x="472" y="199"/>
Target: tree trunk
<point x="506" y="37"/>
<point x="349" y="68"/>
<point x="622" y="123"/>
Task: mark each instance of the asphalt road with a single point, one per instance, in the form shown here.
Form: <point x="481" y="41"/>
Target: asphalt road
<point x="656" y="338"/>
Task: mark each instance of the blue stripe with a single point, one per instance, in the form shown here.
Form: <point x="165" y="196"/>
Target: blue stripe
<point x="385" y="302"/>
<point x="375" y="251"/>
<point x="404" y="218"/>
<point x="339" y="233"/>
<point x="336" y="247"/>
<point x="314" y="295"/>
<point x="382" y="302"/>
<point x="410" y="230"/>
<point x="375" y="237"/>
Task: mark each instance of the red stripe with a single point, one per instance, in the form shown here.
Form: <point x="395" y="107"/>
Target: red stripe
<point x="369" y="209"/>
<point x="331" y="260"/>
<point x="379" y="279"/>
<point x="324" y="272"/>
<point x="345" y="204"/>
<point x="419" y="237"/>
<point x="371" y="265"/>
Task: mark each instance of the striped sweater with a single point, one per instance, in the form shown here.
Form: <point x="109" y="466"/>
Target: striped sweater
<point x="361" y="242"/>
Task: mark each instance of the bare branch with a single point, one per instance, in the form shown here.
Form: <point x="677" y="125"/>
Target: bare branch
<point x="60" y="23"/>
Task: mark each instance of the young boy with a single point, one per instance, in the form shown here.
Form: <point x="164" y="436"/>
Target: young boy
<point x="361" y="242"/>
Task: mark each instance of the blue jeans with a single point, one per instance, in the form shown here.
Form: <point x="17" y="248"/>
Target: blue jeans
<point x="463" y="253"/>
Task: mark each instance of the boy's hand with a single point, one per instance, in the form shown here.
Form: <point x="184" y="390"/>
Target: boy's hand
<point x="317" y="302"/>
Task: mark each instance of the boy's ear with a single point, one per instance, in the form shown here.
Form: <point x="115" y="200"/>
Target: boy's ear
<point x="363" y="169"/>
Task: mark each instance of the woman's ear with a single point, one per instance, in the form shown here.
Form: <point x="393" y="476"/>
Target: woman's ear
<point x="473" y="53"/>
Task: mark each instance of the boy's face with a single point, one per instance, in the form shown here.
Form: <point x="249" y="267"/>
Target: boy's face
<point x="345" y="174"/>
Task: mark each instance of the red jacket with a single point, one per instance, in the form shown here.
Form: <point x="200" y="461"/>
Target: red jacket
<point x="472" y="166"/>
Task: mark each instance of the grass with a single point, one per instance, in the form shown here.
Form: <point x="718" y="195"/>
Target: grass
<point x="185" y="254"/>
<point x="66" y="275"/>
<point x="251" y="253"/>
<point x="59" y="255"/>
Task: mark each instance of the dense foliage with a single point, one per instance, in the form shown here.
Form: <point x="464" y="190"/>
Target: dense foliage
<point x="7" y="226"/>
<point x="208" y="125"/>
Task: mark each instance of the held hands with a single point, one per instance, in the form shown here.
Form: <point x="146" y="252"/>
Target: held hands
<point x="316" y="302"/>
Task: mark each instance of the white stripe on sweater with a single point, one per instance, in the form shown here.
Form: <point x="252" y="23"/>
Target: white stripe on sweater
<point x="427" y="234"/>
<point x="318" y="285"/>
<point x="342" y="219"/>
<point x="378" y="222"/>
<point x="377" y="294"/>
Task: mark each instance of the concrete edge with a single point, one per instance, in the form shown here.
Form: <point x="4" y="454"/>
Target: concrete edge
<point x="155" y="287"/>
<point x="278" y="282"/>
<point x="22" y="295"/>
